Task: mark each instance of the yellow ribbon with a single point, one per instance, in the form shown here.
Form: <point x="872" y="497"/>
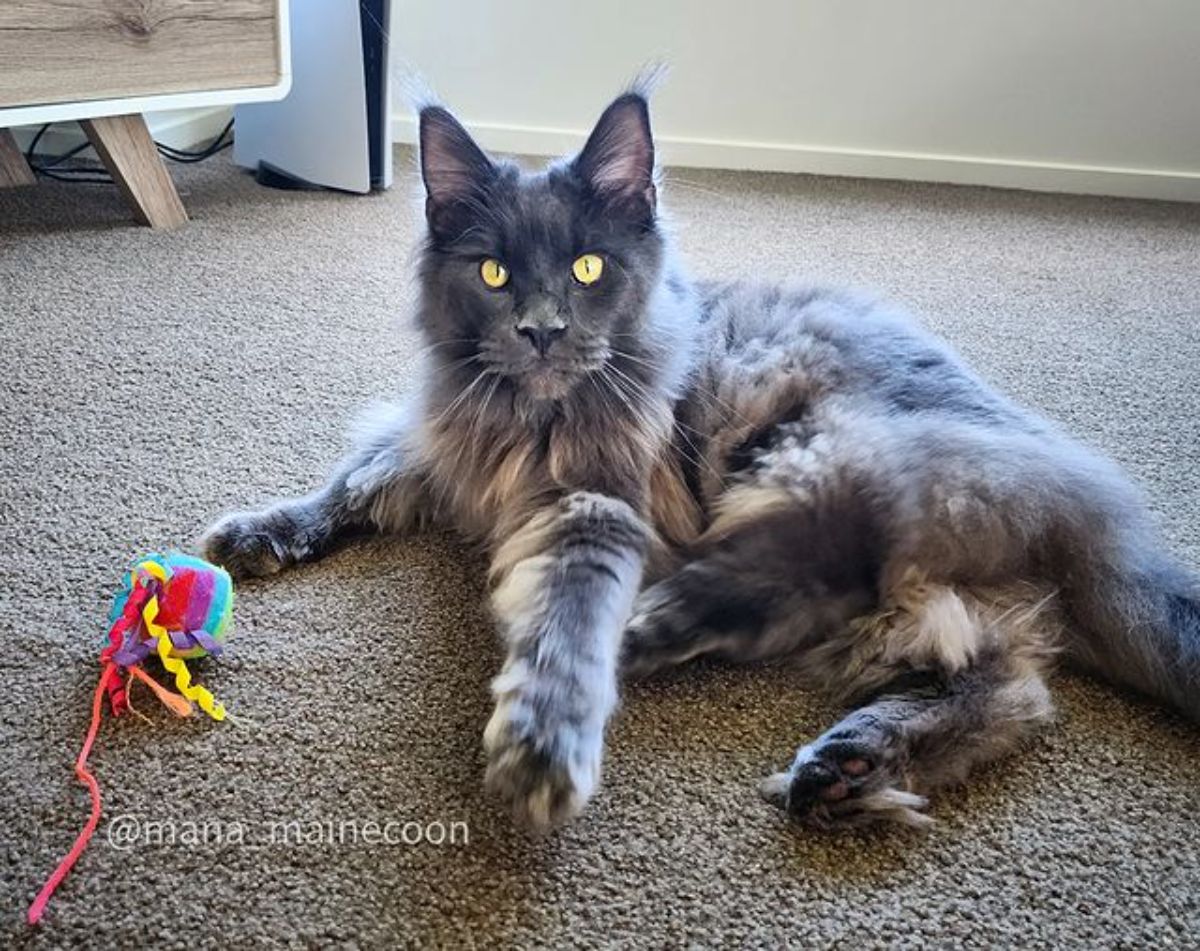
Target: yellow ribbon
<point x="183" y="677"/>
<point x="152" y="568"/>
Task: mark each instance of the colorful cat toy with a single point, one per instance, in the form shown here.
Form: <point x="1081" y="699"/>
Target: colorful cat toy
<point x="175" y="607"/>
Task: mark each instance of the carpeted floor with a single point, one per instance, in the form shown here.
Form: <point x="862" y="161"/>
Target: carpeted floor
<point x="149" y="381"/>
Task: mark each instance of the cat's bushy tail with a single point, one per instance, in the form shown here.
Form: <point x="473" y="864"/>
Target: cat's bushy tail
<point x="1137" y="623"/>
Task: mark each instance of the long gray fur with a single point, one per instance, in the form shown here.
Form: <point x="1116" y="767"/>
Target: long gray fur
<point x="778" y="470"/>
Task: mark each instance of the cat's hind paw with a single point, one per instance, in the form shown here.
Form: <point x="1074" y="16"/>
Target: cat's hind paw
<point x="835" y="784"/>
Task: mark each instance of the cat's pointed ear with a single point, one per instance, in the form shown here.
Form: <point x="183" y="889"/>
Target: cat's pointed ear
<point x="617" y="162"/>
<point x="453" y="167"/>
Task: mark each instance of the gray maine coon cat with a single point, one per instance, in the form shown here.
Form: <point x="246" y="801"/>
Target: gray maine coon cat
<point x="664" y="469"/>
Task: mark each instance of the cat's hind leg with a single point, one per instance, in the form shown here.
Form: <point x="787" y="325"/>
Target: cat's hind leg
<point x="375" y="488"/>
<point x="773" y="573"/>
<point x="980" y="692"/>
<point x="694" y="612"/>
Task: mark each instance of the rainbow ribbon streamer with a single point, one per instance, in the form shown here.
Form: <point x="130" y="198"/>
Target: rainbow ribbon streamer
<point x="183" y="677"/>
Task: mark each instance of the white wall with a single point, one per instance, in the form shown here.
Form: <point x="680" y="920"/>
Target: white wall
<point x="1076" y="95"/>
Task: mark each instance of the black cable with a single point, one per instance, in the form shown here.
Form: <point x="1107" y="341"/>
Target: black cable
<point x="84" y="175"/>
<point x="195" y="152"/>
<point x="33" y="143"/>
<point x="188" y="160"/>
<point x="66" y="155"/>
<point x="96" y="175"/>
<point x="81" y="175"/>
<point x="199" y="155"/>
<point x="212" y="149"/>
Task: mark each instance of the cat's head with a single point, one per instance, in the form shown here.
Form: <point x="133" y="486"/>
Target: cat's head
<point x="539" y="278"/>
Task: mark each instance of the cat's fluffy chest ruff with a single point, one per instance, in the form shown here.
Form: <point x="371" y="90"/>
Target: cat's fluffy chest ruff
<point x="487" y="471"/>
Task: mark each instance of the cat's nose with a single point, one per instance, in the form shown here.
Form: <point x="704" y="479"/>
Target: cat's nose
<point x="542" y="336"/>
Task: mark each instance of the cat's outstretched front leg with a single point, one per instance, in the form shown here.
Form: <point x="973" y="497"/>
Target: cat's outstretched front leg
<point x="564" y="584"/>
<point x="377" y="487"/>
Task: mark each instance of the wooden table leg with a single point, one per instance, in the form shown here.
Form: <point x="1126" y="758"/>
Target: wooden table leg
<point x="125" y="146"/>
<point x="14" y="170"/>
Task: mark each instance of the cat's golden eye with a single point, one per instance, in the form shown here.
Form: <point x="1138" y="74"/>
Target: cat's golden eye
<point x="494" y="273"/>
<point x="588" y="268"/>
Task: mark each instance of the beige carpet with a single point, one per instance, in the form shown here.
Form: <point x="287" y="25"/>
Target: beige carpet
<point x="149" y="381"/>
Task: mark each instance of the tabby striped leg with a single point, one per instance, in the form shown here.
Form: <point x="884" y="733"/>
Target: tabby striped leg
<point x="565" y="583"/>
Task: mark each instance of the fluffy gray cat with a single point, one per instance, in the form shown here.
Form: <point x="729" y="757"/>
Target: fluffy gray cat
<point x="663" y="469"/>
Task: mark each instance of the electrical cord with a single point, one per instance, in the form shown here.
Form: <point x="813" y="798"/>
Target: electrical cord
<point x="77" y="175"/>
<point x="66" y="155"/>
<point x="94" y="174"/>
<point x="33" y="143"/>
<point x="219" y="144"/>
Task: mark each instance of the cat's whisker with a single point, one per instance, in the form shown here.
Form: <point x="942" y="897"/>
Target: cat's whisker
<point x="649" y="364"/>
<point x="717" y="401"/>
<point x="638" y="387"/>
<point x="674" y="184"/>
<point x="621" y="394"/>
<point x="458" y="364"/>
<point x="429" y="349"/>
<point x="696" y="386"/>
<point x="458" y="400"/>
<point x="698" y="458"/>
<point x="601" y="391"/>
<point x="470" y="442"/>
<point x="675" y="422"/>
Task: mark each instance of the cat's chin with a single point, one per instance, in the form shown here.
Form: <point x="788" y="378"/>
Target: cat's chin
<point x="547" y="384"/>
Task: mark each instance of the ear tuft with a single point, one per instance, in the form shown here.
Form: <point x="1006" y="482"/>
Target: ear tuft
<point x="453" y="167"/>
<point x="618" y="160"/>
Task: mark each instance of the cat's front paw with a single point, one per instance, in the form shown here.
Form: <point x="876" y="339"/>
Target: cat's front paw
<point x="545" y="767"/>
<point x="543" y="790"/>
<point x="248" y="544"/>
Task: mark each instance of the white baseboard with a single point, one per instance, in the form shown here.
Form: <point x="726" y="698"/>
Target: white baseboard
<point x="856" y="163"/>
<point x="180" y="129"/>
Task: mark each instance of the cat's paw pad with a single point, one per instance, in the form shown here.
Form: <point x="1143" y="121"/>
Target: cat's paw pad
<point x="843" y="783"/>
<point x="827" y="779"/>
<point x="246" y="544"/>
